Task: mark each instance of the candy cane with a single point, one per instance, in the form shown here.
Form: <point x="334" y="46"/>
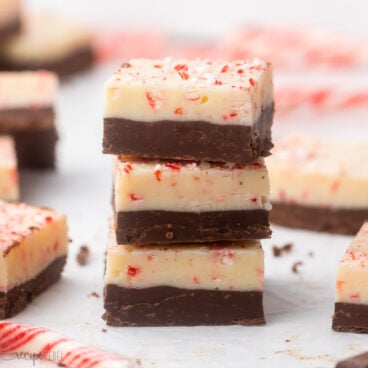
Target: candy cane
<point x="26" y="341"/>
<point x="320" y="98"/>
<point x="294" y="47"/>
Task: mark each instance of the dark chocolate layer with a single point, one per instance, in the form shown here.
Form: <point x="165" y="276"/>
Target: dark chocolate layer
<point x="189" y="140"/>
<point x="147" y="227"/>
<point x="36" y="149"/>
<point x="34" y="134"/>
<point x="170" y="306"/>
<point x="78" y="61"/>
<point x="324" y="219"/>
<point x="350" y="318"/>
<point x="9" y="30"/>
<point x="17" y="299"/>
<point x="358" y="361"/>
<point x="21" y="119"/>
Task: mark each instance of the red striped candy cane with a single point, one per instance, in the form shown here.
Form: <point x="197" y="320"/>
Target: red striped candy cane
<point x="40" y="343"/>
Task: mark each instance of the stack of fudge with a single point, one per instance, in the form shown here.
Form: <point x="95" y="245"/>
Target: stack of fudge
<point x="191" y="191"/>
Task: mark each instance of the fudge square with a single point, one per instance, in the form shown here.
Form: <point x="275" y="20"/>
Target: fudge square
<point x="318" y="184"/>
<point x="351" y="301"/>
<point x="49" y="42"/>
<point x="190" y="110"/>
<point x="190" y="284"/>
<point x="27" y="112"/>
<point x="170" y="202"/>
<point x="10" y="22"/>
<point x="33" y="251"/>
<point x="9" y="186"/>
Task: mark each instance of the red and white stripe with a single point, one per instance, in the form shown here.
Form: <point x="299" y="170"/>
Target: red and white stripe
<point x="45" y="344"/>
<point x="294" y="48"/>
<point x="320" y="98"/>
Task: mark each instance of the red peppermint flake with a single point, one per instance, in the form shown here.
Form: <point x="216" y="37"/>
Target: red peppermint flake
<point x="157" y="66"/>
<point x="240" y="71"/>
<point x="134" y="197"/>
<point x="355" y="296"/>
<point x="48" y="219"/>
<point x="225" y="68"/>
<point x="133" y="271"/>
<point x="128" y="168"/>
<point x="254" y="200"/>
<point x="257" y="165"/>
<point x="282" y="195"/>
<point x="158" y="175"/>
<point x="173" y="167"/>
<point x="252" y="82"/>
<point x="335" y="186"/>
<point x="195" y="280"/>
<point x="179" y="67"/>
<point x="233" y="114"/>
<point x="179" y="111"/>
<point x="225" y="117"/>
<point x="218" y="83"/>
<point x="152" y="102"/>
<point x="339" y="284"/>
<point x="183" y="75"/>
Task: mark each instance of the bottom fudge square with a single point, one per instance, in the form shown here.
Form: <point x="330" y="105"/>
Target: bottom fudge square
<point x="175" y="285"/>
<point x="33" y="251"/>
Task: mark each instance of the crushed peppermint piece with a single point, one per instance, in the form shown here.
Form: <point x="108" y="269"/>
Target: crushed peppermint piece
<point x="133" y="271"/>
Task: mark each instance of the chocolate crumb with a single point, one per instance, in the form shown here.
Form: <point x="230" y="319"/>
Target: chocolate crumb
<point x="94" y="294"/>
<point x="104" y="330"/>
<point x="169" y="235"/>
<point x="287" y="340"/>
<point x="295" y="266"/>
<point x="83" y="255"/>
<point x="310" y="254"/>
<point x="126" y="65"/>
<point x="279" y="251"/>
<point x="61" y="365"/>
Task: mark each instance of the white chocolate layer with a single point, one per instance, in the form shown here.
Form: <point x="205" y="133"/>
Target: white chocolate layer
<point x="190" y="90"/>
<point x="9" y="11"/>
<point x="46" y="38"/>
<point x="28" y="90"/>
<point x="312" y="172"/>
<point x="9" y="189"/>
<point x="352" y="274"/>
<point x="190" y="187"/>
<point x="30" y="239"/>
<point x="236" y="266"/>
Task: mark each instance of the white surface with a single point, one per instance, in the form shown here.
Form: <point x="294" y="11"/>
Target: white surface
<point x="298" y="307"/>
<point x="210" y="17"/>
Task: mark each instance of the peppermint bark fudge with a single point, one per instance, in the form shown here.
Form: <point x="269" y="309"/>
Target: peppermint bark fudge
<point x="33" y="251"/>
<point x="27" y="112"/>
<point x="171" y="202"/>
<point x="351" y="301"/>
<point x="190" y="110"/>
<point x="49" y="42"/>
<point x="184" y="284"/>
<point x="9" y="188"/>
<point x="10" y="22"/>
<point x="319" y="185"/>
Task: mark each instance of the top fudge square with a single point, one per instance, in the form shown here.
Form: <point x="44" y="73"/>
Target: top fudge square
<point x="190" y="110"/>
